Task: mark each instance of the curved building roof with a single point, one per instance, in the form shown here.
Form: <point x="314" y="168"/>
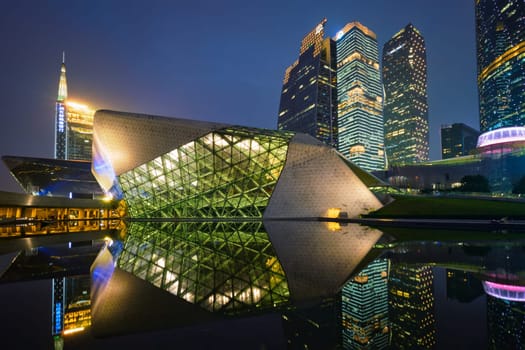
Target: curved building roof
<point x="504" y="291"/>
<point x="168" y="167"/>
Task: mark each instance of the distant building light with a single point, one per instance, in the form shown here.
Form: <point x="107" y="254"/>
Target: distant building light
<point x="502" y="135"/>
<point x="504" y="291"/>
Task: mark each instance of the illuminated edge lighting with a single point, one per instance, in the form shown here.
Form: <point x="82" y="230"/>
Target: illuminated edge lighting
<point x="504" y="291"/>
<point x="495" y="137"/>
<point x="73" y="330"/>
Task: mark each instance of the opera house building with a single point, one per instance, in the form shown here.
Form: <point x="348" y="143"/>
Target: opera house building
<point x="176" y="168"/>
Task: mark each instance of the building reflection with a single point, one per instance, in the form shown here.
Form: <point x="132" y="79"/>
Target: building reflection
<point x="364" y="308"/>
<point x="225" y="270"/>
<point x="506" y="323"/>
<point x="412" y="306"/>
<point x="25" y="215"/>
<point x="71" y="304"/>
<point x="463" y="286"/>
<point x="314" y="327"/>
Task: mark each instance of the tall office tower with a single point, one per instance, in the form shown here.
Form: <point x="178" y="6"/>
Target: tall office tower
<point x="500" y="29"/>
<point x="79" y="131"/>
<point x="457" y="140"/>
<point x="359" y="97"/>
<point x="412" y="306"/>
<point x="406" y="107"/>
<point x="308" y="97"/>
<point x="60" y="115"/>
<point x="364" y="308"/>
<point x="73" y="125"/>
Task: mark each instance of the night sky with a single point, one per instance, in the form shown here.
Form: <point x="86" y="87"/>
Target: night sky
<point x="219" y="61"/>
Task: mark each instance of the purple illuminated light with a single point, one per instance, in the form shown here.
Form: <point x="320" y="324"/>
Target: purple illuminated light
<point x="503" y="135"/>
<point x="505" y="291"/>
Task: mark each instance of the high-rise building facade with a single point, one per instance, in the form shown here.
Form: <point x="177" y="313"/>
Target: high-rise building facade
<point x="79" y="131"/>
<point x="500" y="29"/>
<point x="60" y="115"/>
<point x="308" y="97"/>
<point x="406" y="107"/>
<point x="457" y="140"/>
<point x="73" y="125"/>
<point x="359" y="97"/>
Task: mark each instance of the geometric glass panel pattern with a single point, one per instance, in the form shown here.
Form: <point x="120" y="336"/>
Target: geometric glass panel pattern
<point x="225" y="174"/>
<point x="225" y="267"/>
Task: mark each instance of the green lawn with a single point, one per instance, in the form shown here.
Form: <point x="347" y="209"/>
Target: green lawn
<point x="434" y="207"/>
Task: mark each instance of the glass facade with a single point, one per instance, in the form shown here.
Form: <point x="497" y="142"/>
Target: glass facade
<point x="457" y="140"/>
<point x="54" y="177"/>
<point x="500" y="30"/>
<point x="79" y="131"/>
<point x="308" y="96"/>
<point x="226" y="173"/>
<point x="406" y="107"/>
<point x="359" y="97"/>
<point x="503" y="165"/>
<point x="60" y="116"/>
<point x="225" y="267"/>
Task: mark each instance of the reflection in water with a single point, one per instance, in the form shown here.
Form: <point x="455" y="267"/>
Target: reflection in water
<point x="233" y="267"/>
<point x="463" y="286"/>
<point x="332" y="288"/>
<point x="412" y="306"/>
<point x="364" y="308"/>
<point x="71" y="302"/>
<point x="222" y="267"/>
<point x="506" y="323"/>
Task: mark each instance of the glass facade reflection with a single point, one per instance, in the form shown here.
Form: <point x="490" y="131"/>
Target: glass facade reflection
<point x="364" y="308"/>
<point x="506" y="322"/>
<point x="222" y="267"/>
<point x="411" y="298"/>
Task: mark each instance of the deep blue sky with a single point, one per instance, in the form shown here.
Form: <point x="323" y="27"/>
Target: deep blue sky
<point x="209" y="60"/>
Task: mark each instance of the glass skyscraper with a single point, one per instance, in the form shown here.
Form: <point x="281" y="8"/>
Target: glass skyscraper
<point x="500" y="29"/>
<point x="60" y="115"/>
<point x="457" y="140"/>
<point x="359" y="97"/>
<point x="308" y="96"/>
<point x="406" y="107"/>
<point x="73" y="125"/>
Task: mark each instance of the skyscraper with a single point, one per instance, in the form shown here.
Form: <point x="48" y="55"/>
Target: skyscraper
<point x="406" y="107"/>
<point x="308" y="96"/>
<point x="457" y="140"/>
<point x="60" y="114"/>
<point x="73" y="124"/>
<point x="359" y="97"/>
<point x="500" y="29"/>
